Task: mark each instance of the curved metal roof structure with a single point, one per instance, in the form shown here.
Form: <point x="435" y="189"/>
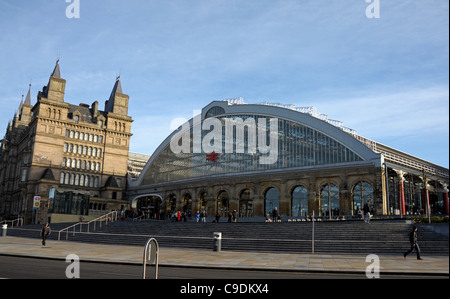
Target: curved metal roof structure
<point x="303" y="141"/>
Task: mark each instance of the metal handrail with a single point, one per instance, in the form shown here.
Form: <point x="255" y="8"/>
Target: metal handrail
<point x="109" y="217"/>
<point x="18" y="220"/>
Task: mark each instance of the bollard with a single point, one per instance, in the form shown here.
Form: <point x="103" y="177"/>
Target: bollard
<point x="5" y="228"/>
<point x="217" y="239"/>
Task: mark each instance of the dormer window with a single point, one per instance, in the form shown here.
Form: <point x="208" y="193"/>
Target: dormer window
<point x="100" y="124"/>
<point x="76" y="119"/>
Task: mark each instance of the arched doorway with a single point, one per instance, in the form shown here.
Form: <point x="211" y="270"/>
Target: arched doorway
<point x="203" y="202"/>
<point x="329" y="200"/>
<point x="413" y="195"/>
<point x="299" y="202"/>
<point x="223" y="203"/>
<point x="271" y="201"/>
<point x="245" y="203"/>
<point x="187" y="205"/>
<point x="362" y="192"/>
<point x="149" y="207"/>
<point x="171" y="204"/>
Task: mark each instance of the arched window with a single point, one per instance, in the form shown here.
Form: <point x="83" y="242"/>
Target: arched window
<point x="223" y="203"/>
<point x="329" y="200"/>
<point x="362" y="192"/>
<point x="64" y="161"/>
<point x="299" y="203"/>
<point x="61" y="178"/>
<point x="271" y="201"/>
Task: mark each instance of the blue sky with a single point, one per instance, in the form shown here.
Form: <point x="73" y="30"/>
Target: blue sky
<point x="385" y="77"/>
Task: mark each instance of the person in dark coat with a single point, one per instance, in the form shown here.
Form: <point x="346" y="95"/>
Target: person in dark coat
<point x="414" y="244"/>
<point x="275" y="214"/>
<point x="45" y="232"/>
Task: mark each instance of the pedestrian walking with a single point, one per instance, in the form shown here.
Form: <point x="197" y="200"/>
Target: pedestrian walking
<point x="197" y="216"/>
<point x="203" y="216"/>
<point x="414" y="244"/>
<point x="217" y="217"/>
<point x="275" y="214"/>
<point x="235" y="218"/>
<point x="366" y="210"/>
<point x="45" y="232"/>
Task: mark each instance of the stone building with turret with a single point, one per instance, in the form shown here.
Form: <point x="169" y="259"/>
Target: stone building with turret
<point x="63" y="162"/>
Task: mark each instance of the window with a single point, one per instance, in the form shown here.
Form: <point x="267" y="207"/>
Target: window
<point x="98" y="167"/>
<point x="76" y="119"/>
<point x="66" y="146"/>
<point x="299" y="202"/>
<point x="81" y="135"/>
<point x="24" y="175"/>
<point x="71" y="148"/>
<point x="329" y="200"/>
<point x="72" y="133"/>
<point x="64" y="161"/>
<point x="67" y="133"/>
<point x="91" y="137"/>
<point x="96" y="138"/>
<point x="85" y="150"/>
<point x="99" y="152"/>
<point x="271" y="201"/>
<point x="61" y="178"/>
<point x="362" y="192"/>
<point x="77" y="135"/>
<point x="90" y="151"/>
<point x="100" y="139"/>
<point x="100" y="124"/>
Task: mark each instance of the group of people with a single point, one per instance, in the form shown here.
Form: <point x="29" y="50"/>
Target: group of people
<point x="232" y="216"/>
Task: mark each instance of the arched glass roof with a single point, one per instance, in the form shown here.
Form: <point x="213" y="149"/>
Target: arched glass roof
<point x="232" y="139"/>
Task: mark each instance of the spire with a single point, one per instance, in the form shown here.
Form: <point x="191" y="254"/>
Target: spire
<point x="56" y="73"/>
<point x="116" y="89"/>
<point x="28" y="98"/>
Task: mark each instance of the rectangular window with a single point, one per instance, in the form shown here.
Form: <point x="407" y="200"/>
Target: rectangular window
<point x="24" y="175"/>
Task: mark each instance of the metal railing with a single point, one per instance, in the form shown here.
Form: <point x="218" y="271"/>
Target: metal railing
<point x="18" y="221"/>
<point x="109" y="217"/>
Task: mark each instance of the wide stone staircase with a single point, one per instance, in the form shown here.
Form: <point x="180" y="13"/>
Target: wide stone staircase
<point x="339" y="237"/>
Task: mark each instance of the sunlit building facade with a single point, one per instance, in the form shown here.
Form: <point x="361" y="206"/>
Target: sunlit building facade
<point x="254" y="157"/>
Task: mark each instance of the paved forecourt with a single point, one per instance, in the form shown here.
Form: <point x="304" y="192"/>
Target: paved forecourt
<point x="389" y="264"/>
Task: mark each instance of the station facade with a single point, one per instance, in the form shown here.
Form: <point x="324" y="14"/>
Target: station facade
<point x="252" y="158"/>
